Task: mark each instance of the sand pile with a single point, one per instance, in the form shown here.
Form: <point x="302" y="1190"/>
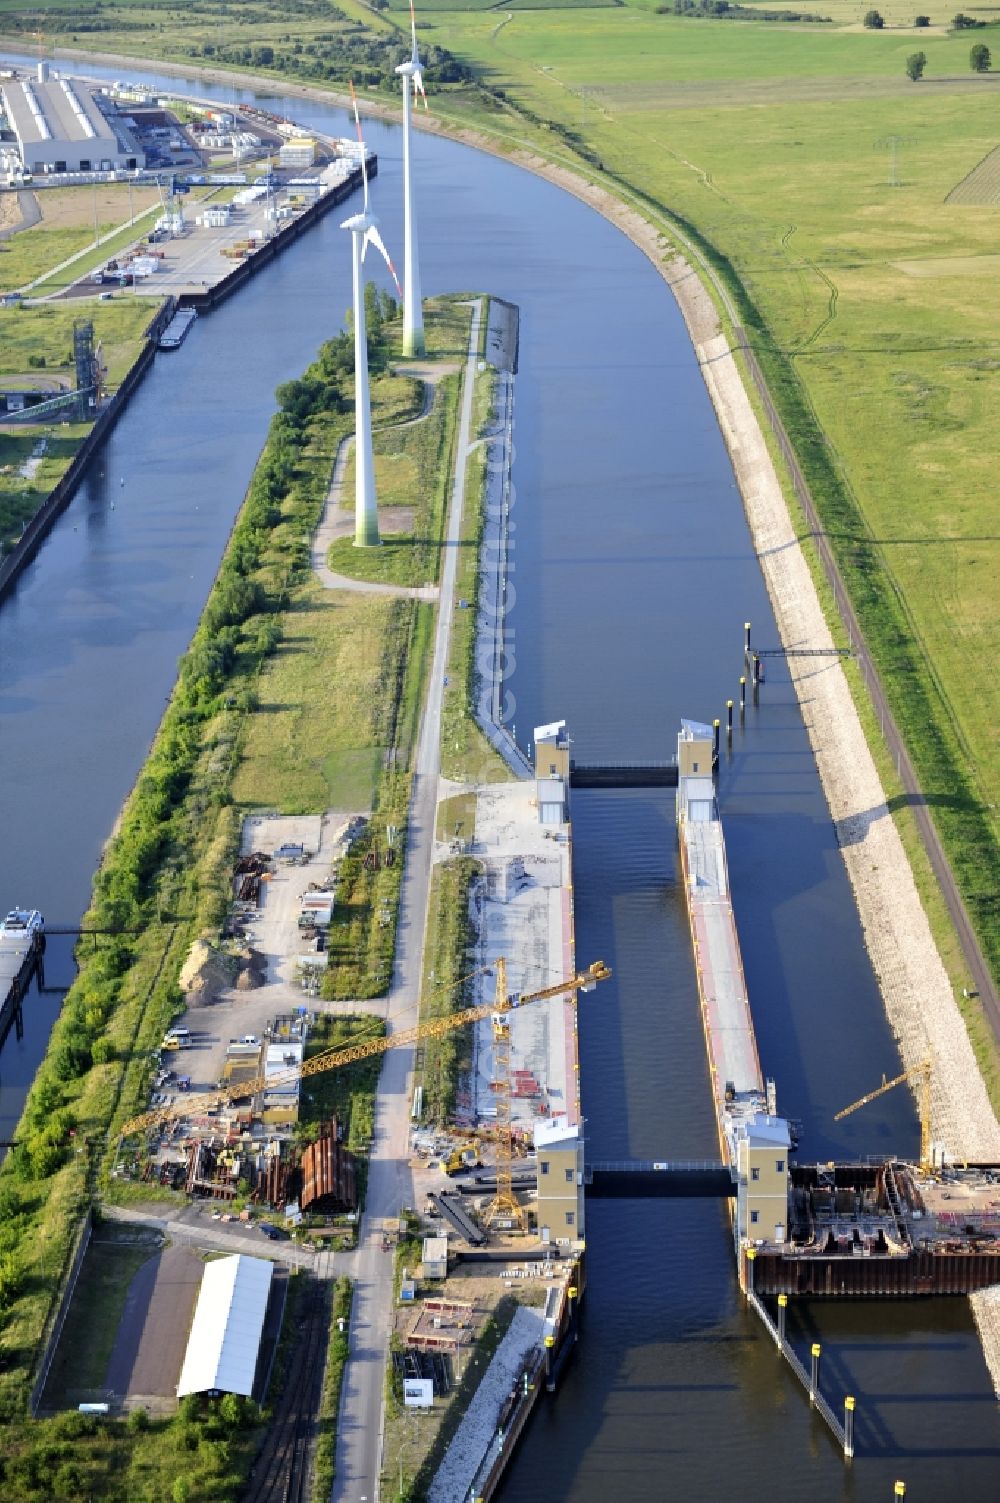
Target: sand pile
<point x="206" y="974"/>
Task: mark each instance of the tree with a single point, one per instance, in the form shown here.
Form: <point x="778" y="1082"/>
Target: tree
<point x="873" y="20"/>
<point x="965" y="23"/>
<point x="915" y="65"/>
<point x="979" y="58"/>
<point x="922" y="21"/>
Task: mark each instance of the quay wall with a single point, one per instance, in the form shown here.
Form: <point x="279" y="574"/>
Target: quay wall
<point x="216" y="295"/>
<point x="65" y="489"/>
<point x="541" y="1373"/>
<point x="494" y="639"/>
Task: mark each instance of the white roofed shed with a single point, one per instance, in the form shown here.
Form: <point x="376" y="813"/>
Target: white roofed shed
<point x="221" y="1355"/>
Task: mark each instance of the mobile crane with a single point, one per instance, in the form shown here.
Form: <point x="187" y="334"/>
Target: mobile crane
<point x="921" y="1071"/>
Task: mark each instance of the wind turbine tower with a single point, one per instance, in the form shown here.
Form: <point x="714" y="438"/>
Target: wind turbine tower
<point x="364" y="232"/>
<point x="413" y="313"/>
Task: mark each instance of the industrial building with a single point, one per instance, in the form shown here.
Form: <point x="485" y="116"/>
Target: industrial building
<point x="228" y="1324"/>
<point x="61" y="126"/>
<point x="328" y="1175"/>
<point x="560" y="1205"/>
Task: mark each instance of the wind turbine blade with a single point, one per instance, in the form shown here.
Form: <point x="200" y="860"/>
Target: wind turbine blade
<point x="418" y="87"/>
<point x="413" y="29"/>
<point x="361" y="143"/>
<point x="375" y="239"/>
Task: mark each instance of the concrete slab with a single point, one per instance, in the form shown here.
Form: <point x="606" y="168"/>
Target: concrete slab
<point x="524" y="913"/>
<point x="146" y="1359"/>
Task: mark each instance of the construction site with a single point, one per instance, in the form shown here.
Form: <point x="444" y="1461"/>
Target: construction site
<point x="225" y="1100"/>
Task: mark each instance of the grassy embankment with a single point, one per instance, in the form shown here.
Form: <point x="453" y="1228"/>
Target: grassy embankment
<point x="165" y="880"/>
<point x="466" y="756"/>
<point x="36" y="349"/>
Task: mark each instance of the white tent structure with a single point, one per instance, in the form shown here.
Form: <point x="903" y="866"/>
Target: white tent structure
<point x="228" y="1323"/>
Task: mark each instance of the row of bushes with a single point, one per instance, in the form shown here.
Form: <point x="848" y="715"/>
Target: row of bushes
<point x="362" y="936"/>
<point x="369" y="58"/>
<point x="724" y="10"/>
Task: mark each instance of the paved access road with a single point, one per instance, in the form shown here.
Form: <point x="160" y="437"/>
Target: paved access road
<point x="359" y="1438"/>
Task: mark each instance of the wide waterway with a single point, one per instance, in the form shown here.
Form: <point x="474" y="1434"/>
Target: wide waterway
<point x="634" y="573"/>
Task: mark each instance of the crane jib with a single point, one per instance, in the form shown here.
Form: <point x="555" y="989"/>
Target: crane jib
<point x="333" y="1059"/>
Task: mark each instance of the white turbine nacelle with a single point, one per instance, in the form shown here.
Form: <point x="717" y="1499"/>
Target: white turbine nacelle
<point x="413" y="314"/>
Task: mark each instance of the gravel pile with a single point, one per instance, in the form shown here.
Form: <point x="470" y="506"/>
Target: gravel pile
<point x="473" y="1437"/>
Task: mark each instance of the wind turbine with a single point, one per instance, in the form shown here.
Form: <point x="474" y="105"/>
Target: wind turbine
<point x="364" y="229"/>
<point x="413" y="314"/>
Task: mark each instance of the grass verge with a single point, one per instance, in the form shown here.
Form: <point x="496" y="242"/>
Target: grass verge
<point x="466" y="755"/>
<point x="441" y="1061"/>
<point x="337" y="1354"/>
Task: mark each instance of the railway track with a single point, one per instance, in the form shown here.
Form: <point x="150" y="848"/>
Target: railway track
<point x="281" y="1473"/>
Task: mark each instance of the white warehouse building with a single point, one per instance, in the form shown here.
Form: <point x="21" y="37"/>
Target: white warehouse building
<point x="60" y="128"/>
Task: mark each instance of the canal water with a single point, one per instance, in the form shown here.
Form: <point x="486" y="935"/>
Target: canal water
<point x="634" y="574"/>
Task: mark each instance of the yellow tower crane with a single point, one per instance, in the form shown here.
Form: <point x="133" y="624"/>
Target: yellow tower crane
<point x="335" y="1059"/>
<point x="505" y="1205"/>
<point x="921" y="1071"/>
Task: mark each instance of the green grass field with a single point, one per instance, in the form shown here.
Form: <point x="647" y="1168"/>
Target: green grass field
<point x="307" y="749"/>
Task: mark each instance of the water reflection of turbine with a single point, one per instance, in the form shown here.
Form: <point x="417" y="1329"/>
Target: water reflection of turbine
<point x="413" y="317"/>
<point x="364" y="229"/>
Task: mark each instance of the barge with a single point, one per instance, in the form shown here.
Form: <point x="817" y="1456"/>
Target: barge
<point x="22" y="941"/>
<point x="885" y="1228"/>
<point x="177" y="330"/>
